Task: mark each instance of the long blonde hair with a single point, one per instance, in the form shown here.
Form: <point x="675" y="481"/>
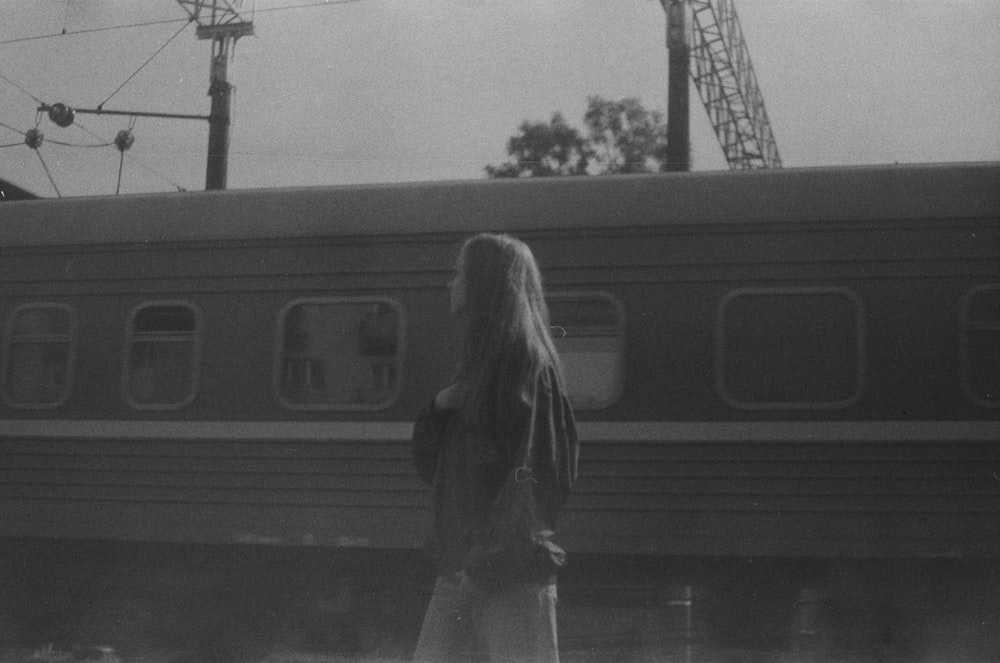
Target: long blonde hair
<point x="505" y="341"/>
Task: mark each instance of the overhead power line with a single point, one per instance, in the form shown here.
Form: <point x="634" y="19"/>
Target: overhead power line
<point x="144" y="24"/>
<point x="220" y="32"/>
<point x="36" y="99"/>
<point x="143" y="65"/>
<point x="85" y="31"/>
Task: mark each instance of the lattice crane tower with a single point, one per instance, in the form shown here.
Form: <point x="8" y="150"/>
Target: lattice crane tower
<point x="220" y="21"/>
<point x="725" y="80"/>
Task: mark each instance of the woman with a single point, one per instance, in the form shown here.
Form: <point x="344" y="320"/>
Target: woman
<point x="508" y="396"/>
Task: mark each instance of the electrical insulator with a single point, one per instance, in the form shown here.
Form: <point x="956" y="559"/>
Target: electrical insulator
<point x="33" y="138"/>
<point x="61" y="114"/>
<point x="124" y="140"/>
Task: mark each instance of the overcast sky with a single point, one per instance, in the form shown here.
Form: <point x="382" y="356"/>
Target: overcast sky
<point x="407" y="90"/>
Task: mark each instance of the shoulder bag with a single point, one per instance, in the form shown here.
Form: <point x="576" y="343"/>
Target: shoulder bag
<point x="513" y="544"/>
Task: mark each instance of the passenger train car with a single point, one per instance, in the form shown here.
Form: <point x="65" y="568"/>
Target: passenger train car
<point x="787" y="385"/>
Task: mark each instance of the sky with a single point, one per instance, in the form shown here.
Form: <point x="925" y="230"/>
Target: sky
<point x="357" y="91"/>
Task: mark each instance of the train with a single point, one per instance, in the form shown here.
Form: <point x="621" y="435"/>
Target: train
<point x="786" y="384"/>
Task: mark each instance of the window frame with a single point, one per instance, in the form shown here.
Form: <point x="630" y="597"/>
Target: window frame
<point x="196" y="358"/>
<point x="860" y="335"/>
<point x="71" y="343"/>
<point x="621" y="345"/>
<point x="964" y="324"/>
<point x="279" y="354"/>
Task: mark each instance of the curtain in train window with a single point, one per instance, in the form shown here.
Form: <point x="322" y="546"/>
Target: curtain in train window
<point x="38" y="356"/>
<point x="981" y="345"/>
<point x="162" y="354"/>
<point x="589" y="335"/>
<point x="339" y="354"/>
<point x="790" y="348"/>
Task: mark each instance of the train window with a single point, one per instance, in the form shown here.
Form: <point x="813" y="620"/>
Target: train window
<point x="38" y="354"/>
<point x="339" y="354"/>
<point x="588" y="330"/>
<point x="981" y="345"/>
<point x="790" y="348"/>
<point x="162" y="349"/>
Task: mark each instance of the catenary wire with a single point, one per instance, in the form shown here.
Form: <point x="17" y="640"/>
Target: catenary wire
<point x="155" y="172"/>
<point x="121" y="165"/>
<point x="46" y="169"/>
<point x="150" y="59"/>
<point x="66" y="16"/>
<point x="131" y="157"/>
<point x="92" y="30"/>
<point x="64" y="33"/>
<point x="36" y="99"/>
<point x="14" y="129"/>
<point x="65" y="144"/>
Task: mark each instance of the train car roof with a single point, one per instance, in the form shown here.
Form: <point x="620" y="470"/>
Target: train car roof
<point x="762" y="196"/>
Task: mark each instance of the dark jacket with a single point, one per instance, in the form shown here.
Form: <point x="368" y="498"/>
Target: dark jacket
<point x="466" y="470"/>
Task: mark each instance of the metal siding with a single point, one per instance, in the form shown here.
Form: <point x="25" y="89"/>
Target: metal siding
<point x="225" y="491"/>
<point x="784" y="195"/>
<point x="668" y="248"/>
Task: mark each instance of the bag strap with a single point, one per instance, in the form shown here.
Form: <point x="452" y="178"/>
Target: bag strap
<point x="523" y="471"/>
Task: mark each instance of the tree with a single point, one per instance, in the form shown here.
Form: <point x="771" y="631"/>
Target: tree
<point x="625" y="137"/>
<point x="622" y="137"/>
<point x="543" y="150"/>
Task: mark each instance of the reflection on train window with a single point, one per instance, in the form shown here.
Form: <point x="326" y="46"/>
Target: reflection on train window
<point x="162" y="350"/>
<point x="981" y="345"/>
<point x="588" y="330"/>
<point x="38" y="356"/>
<point x="799" y="348"/>
<point x="339" y="354"/>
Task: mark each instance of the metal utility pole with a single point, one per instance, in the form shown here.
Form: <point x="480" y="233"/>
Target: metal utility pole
<point x="678" y="121"/>
<point x="724" y="77"/>
<point x="219" y="21"/>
